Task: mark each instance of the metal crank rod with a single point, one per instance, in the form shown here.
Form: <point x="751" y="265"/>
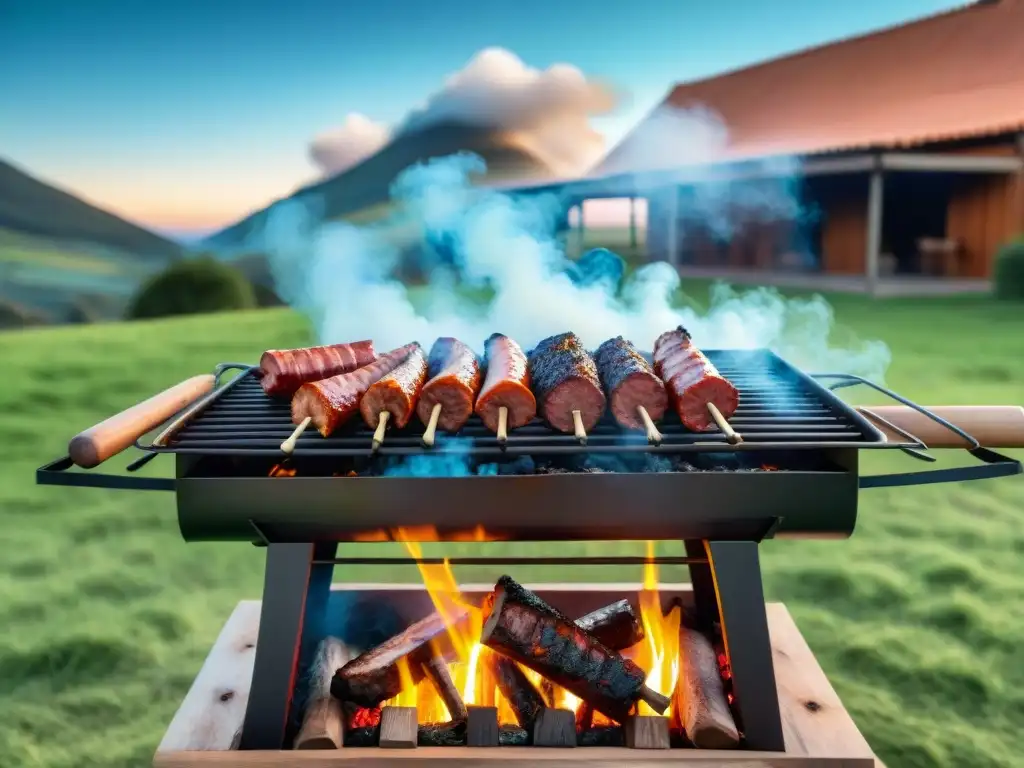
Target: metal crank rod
<point x="993" y="464"/>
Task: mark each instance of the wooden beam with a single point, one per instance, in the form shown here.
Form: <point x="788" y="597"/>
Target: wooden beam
<point x="632" y="222"/>
<point x="876" y="187"/>
<point x="672" y="222"/>
<point x="913" y="161"/>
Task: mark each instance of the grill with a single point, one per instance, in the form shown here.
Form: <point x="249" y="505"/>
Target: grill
<point x="795" y="473"/>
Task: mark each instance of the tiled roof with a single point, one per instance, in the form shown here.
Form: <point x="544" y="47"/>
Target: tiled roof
<point x="955" y="75"/>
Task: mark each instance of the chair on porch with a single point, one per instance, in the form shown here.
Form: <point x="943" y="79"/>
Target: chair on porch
<point x="940" y="256"/>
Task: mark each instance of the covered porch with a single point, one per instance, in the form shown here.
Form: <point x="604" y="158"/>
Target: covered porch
<point x="893" y="223"/>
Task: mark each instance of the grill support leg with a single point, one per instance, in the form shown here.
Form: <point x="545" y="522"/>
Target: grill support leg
<point x="728" y="588"/>
<point x="295" y="594"/>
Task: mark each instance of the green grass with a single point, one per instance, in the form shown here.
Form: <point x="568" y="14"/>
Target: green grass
<point x="918" y="619"/>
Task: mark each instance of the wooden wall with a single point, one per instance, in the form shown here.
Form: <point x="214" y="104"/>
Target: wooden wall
<point x="844" y="235"/>
<point x="984" y="213"/>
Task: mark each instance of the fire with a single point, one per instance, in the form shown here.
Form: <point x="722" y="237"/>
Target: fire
<point x="280" y="471"/>
<point x="659" y="652"/>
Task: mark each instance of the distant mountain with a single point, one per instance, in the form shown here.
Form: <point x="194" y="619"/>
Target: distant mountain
<point x="367" y="184"/>
<point x="31" y="207"/>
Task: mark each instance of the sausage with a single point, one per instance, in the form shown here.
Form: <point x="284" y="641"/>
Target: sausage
<point x="507" y="384"/>
<point x="453" y="380"/>
<point x="565" y="379"/>
<point x="285" y="370"/>
<point x="397" y="392"/>
<point x="629" y="382"/>
<point x="331" y="402"/>
<point x="692" y="381"/>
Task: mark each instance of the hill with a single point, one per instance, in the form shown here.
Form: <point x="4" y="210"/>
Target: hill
<point x="366" y="185"/>
<point x="913" y="618"/>
<point x="32" y="207"/>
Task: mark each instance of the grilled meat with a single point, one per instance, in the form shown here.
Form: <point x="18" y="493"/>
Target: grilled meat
<point x="565" y="379"/>
<point x="397" y="392"/>
<point x="331" y="402"/>
<point x="692" y="381"/>
<point x="629" y="382"/>
<point x="453" y="380"/>
<point x="285" y="370"/>
<point x="507" y="384"/>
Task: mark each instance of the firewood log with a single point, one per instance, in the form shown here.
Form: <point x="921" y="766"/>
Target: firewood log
<point x="436" y="669"/>
<point x="373" y="677"/>
<point x="322" y="722"/>
<point x="398" y="729"/>
<point x="521" y="694"/>
<point x="615" y="625"/>
<point x="523" y="627"/>
<point x="700" y="701"/>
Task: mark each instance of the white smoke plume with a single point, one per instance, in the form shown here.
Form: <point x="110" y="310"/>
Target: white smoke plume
<point x="548" y="109"/>
<point x="342" y="276"/>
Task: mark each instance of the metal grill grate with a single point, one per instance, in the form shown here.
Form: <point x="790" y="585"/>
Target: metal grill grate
<point x="780" y="408"/>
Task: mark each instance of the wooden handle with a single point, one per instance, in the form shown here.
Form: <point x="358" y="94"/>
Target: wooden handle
<point x="108" y="438"/>
<point x="994" y="426"/>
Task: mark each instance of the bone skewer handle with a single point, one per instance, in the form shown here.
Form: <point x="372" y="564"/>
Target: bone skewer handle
<point x="428" y="434"/>
<point x="503" y="424"/>
<point x="581" y="433"/>
<point x="289" y="445"/>
<point x="378" y="435"/>
<point x="731" y="435"/>
<point x="653" y="435"/>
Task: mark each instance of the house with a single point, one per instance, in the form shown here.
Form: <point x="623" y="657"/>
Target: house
<point x="904" y="149"/>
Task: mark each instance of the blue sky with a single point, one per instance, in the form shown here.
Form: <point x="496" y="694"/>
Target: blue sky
<point x="186" y="115"/>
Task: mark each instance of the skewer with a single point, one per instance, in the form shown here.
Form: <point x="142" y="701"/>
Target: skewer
<point x="731" y="435"/>
<point x="653" y="435"/>
<point x="503" y="424"/>
<point x="581" y="433"/>
<point x="428" y="435"/>
<point x="289" y="445"/>
<point x="378" y="435"/>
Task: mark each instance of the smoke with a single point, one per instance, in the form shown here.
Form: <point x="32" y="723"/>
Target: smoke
<point x="494" y="263"/>
<point x="548" y="110"/>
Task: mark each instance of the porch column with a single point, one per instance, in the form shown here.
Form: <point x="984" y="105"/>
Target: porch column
<point x="672" y="214"/>
<point x="632" y="223"/>
<point x="874" y="234"/>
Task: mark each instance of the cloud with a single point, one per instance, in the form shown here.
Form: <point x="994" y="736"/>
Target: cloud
<point x="354" y="140"/>
<point x="549" y="110"/>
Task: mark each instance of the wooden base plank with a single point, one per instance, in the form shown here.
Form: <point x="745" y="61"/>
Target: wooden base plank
<point x="819" y="732"/>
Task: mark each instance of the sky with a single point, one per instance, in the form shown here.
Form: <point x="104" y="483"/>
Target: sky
<point x="184" y="116"/>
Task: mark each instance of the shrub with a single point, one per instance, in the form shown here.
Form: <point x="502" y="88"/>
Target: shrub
<point x="193" y="286"/>
<point x="1009" y="271"/>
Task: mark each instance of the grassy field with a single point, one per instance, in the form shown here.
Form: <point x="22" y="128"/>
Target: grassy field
<point x="918" y="619"/>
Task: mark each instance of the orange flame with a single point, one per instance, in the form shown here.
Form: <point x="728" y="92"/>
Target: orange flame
<point x="278" y="471"/>
<point x="659" y="652"/>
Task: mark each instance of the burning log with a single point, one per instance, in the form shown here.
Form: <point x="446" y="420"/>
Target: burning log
<point x="700" y="701"/>
<point x="555" y="728"/>
<point x="482" y="728"/>
<point x="323" y="721"/>
<point x="398" y="728"/>
<point x="584" y="717"/>
<point x="436" y="669"/>
<point x="616" y="626"/>
<point x="647" y="732"/>
<point x="521" y="694"/>
<point x="526" y="629"/>
<point x="374" y="676"/>
<point x="451" y="734"/>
